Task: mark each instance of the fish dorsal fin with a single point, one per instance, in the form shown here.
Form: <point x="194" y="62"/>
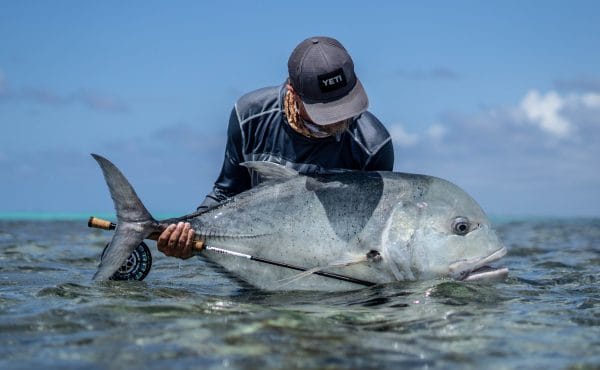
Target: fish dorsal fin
<point x="271" y="171"/>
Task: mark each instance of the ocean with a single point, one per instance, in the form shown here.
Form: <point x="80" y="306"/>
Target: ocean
<point x="189" y="315"/>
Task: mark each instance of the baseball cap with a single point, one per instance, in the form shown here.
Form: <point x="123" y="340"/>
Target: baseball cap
<point x="322" y="72"/>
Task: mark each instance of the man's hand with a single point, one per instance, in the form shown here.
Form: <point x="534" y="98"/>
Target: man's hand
<point x="177" y="241"/>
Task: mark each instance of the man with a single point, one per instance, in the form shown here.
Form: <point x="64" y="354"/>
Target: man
<point x="316" y="121"/>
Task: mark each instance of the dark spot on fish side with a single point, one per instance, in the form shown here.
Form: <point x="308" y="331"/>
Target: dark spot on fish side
<point x="373" y="255"/>
<point x="349" y="200"/>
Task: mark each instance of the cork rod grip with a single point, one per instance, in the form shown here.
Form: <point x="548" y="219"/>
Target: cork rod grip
<point x="99" y="223"/>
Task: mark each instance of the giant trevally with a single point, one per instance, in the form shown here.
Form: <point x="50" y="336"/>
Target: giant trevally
<point x="378" y="227"/>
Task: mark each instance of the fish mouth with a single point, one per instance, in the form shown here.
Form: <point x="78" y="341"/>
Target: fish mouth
<point x="478" y="269"/>
<point x="486" y="273"/>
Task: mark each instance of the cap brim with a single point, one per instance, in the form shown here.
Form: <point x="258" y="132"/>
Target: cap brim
<point x="350" y="105"/>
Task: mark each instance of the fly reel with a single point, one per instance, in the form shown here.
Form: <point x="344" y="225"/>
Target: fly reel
<point x="136" y="267"/>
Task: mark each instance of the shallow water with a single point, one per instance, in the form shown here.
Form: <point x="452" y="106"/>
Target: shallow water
<point x="189" y="315"/>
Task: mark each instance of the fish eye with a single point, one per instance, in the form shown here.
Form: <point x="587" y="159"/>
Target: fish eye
<point x="461" y="225"/>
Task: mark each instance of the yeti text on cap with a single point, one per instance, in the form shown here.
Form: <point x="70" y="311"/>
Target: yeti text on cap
<point x="332" y="81"/>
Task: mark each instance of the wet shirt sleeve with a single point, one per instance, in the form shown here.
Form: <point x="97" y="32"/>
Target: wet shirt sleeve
<point x="233" y="178"/>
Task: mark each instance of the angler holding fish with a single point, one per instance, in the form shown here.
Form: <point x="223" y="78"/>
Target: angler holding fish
<point x="316" y="121"/>
<point x="306" y="199"/>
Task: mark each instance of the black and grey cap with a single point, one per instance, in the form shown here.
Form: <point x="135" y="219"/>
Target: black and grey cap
<point x="322" y="72"/>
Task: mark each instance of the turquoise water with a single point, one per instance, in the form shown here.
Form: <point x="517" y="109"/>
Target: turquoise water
<point x="187" y="314"/>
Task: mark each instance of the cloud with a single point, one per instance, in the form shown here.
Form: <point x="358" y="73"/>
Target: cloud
<point x="544" y="110"/>
<point x="401" y="137"/>
<point x="89" y="98"/>
<point x="580" y="84"/>
<point x="587" y="100"/>
<point x="100" y="102"/>
<point x="436" y="132"/>
<point x="40" y="96"/>
<point x="438" y="73"/>
<point x="558" y="115"/>
<point x="515" y="159"/>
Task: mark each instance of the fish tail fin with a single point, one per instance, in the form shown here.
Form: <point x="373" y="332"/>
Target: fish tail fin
<point x="134" y="221"/>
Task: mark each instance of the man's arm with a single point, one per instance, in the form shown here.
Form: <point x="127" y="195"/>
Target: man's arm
<point x="233" y="178"/>
<point x="177" y="240"/>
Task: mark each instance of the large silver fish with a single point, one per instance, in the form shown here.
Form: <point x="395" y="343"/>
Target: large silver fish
<point x="378" y="227"/>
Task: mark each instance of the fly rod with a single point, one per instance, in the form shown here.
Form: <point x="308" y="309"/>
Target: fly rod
<point x="199" y="246"/>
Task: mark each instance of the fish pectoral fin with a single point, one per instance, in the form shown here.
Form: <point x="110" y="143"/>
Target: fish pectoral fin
<point x="293" y="278"/>
<point x="336" y="264"/>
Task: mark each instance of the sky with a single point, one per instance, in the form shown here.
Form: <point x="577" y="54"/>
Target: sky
<point x="500" y="97"/>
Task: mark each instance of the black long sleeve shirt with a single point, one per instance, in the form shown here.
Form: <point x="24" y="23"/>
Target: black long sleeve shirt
<point x="258" y="131"/>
